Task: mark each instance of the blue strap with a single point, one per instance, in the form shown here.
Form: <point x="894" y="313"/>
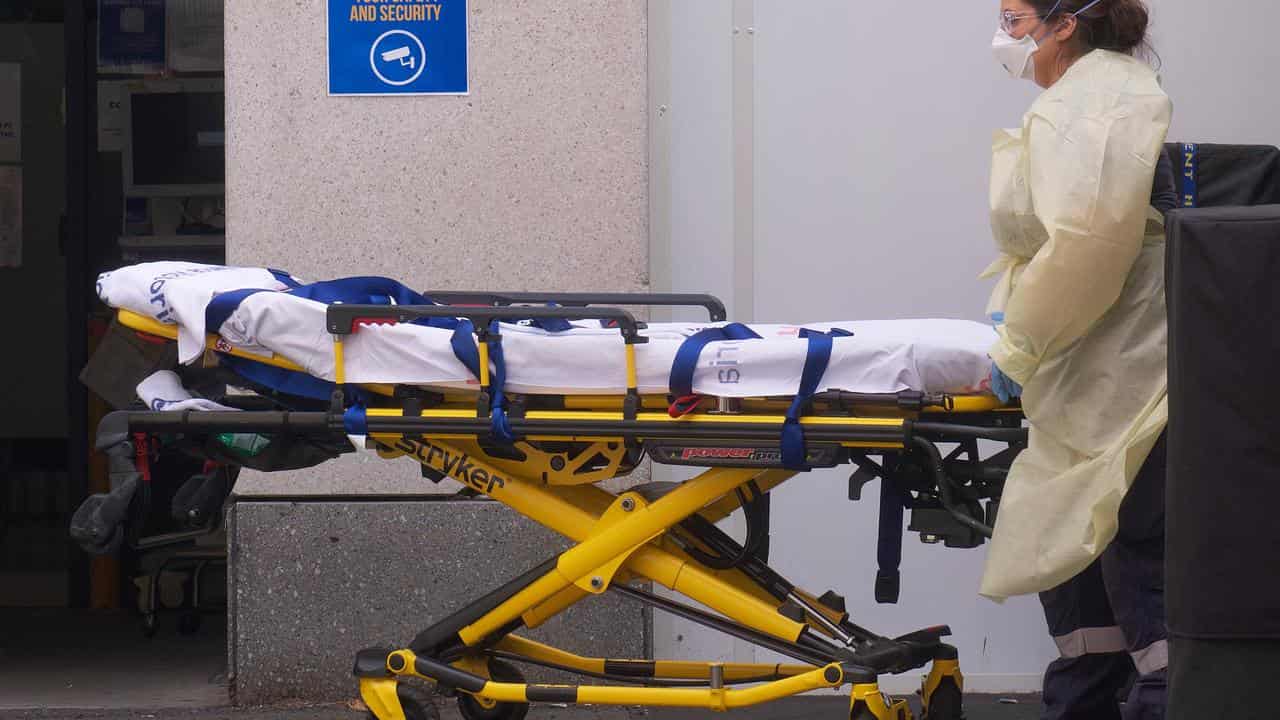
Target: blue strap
<point x="352" y="291"/>
<point x="221" y="307"/>
<point x="357" y="290"/>
<point x="499" y="425"/>
<point x="285" y="278"/>
<point x="369" y="290"/>
<point x="289" y="382"/>
<point x="365" y="290"/>
<point x="1190" y="175"/>
<point x="279" y="379"/>
<point x="355" y="420"/>
<point x="686" y="361"/>
<point x="464" y="346"/>
<point x="372" y="290"/>
<point x="551" y="324"/>
<point x="818" y="357"/>
<point x="833" y="332"/>
<point x="889" y="542"/>
<point x="794" y="452"/>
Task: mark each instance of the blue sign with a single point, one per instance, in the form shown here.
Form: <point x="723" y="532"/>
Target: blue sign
<point x="131" y="32"/>
<point x="397" y="47"/>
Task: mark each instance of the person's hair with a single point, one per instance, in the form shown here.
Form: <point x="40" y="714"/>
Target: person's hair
<point x="1116" y="25"/>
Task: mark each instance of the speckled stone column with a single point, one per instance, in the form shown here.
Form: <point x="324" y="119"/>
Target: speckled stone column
<point x="536" y="180"/>
<point x="316" y="581"/>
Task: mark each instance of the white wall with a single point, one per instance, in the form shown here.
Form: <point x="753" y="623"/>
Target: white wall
<point x="872" y="157"/>
<point x="699" y="120"/>
<point x="1219" y="65"/>
<point x="872" y="142"/>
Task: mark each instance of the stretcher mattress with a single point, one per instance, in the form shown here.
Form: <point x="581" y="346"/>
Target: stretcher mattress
<point x="881" y="356"/>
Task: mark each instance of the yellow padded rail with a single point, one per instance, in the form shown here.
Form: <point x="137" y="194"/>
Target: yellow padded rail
<point x="149" y="326"/>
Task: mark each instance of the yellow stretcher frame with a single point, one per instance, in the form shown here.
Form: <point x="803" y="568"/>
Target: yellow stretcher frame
<point x="619" y="538"/>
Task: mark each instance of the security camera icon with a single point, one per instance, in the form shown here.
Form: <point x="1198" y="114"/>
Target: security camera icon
<point x="402" y="54"/>
<point x="397" y="57"/>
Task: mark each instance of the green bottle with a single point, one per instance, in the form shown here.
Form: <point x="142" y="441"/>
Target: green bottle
<point x="249" y="444"/>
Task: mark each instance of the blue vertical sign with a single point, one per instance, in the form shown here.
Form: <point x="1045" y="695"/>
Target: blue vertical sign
<point x="131" y="33"/>
<point x="397" y="47"/>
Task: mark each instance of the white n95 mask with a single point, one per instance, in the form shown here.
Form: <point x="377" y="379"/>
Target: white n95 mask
<point x="1016" y="54"/>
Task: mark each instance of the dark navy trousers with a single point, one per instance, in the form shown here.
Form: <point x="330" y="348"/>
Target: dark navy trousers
<point x="1109" y="621"/>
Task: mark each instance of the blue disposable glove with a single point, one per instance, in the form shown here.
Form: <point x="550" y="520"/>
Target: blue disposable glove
<point x="1003" y="386"/>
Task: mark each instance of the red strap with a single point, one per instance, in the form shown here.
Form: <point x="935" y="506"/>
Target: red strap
<point x="684" y="405"/>
<point x="153" y="339"/>
<point x="142" y="455"/>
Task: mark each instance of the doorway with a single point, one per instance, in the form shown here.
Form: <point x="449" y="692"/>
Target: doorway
<point x="111" y="152"/>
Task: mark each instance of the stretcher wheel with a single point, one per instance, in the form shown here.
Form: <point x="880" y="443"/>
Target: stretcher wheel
<point x="415" y="702"/>
<point x="500" y="672"/>
<point x="946" y="703"/>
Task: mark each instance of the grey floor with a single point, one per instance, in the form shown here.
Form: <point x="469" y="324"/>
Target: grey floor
<point x="52" y="658"/>
<point x="62" y="665"/>
<point x="803" y="709"/>
<point x="978" y="708"/>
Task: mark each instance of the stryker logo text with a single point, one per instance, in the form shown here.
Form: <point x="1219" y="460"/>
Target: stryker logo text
<point x="456" y="465"/>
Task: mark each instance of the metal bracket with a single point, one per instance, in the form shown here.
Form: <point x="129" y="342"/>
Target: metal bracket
<point x="598" y="580"/>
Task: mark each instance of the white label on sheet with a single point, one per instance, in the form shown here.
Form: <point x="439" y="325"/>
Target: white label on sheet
<point x="10" y="113"/>
<point x="111" y="115"/>
<point x="10" y="216"/>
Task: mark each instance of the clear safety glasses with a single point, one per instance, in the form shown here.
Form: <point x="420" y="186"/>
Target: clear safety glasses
<point x="1009" y="20"/>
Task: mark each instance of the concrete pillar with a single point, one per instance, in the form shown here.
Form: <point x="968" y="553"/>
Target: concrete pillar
<point x="536" y="180"/>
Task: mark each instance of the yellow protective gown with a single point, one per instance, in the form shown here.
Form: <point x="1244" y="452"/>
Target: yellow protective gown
<point x="1084" y="333"/>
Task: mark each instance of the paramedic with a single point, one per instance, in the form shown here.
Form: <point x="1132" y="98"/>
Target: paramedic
<point x="1082" y="340"/>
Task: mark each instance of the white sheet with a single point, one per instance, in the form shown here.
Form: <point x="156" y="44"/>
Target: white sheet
<point x="177" y="292"/>
<point x="163" y="390"/>
<point x="883" y="356"/>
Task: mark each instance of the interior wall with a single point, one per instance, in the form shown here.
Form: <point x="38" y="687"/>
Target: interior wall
<point x="33" y="375"/>
<point x="1217" y="63"/>
<point x="871" y="158"/>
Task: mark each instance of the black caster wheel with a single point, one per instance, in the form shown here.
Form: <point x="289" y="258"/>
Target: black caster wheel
<point x="189" y="623"/>
<point x="149" y="625"/>
<point x="504" y="673"/>
<point x="415" y="702"/>
<point x="947" y="703"/>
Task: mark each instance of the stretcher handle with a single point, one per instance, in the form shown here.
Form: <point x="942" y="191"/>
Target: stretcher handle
<point x="116" y="426"/>
<point x="714" y="307"/>
<point x="342" y="319"/>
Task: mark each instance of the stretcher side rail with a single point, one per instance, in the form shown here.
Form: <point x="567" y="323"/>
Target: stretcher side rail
<point x="952" y="488"/>
<point x="712" y="304"/>
<point x="344" y="319"/>
<point x="889" y="435"/>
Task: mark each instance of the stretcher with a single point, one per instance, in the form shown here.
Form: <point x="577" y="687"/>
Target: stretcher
<point x="545" y="453"/>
